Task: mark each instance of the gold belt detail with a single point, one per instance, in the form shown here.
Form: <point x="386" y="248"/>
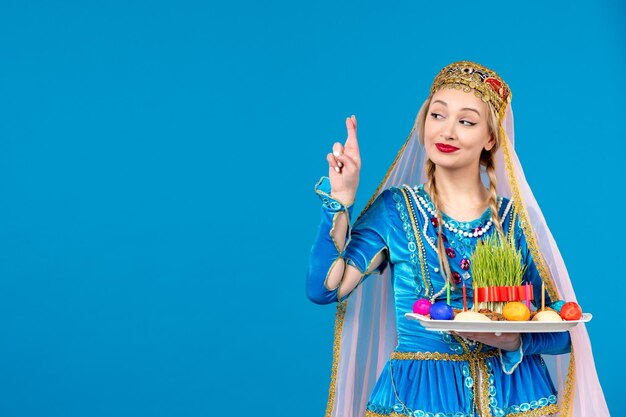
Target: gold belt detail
<point x="438" y="356"/>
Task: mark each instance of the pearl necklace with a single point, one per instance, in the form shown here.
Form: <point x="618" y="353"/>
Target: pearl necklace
<point x="479" y="231"/>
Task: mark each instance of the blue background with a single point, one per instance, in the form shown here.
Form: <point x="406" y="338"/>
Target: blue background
<point x="157" y="163"/>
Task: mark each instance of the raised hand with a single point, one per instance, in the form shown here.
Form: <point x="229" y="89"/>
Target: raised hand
<point x="344" y="166"/>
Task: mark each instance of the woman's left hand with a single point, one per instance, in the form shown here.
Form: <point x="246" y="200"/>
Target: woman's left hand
<point x="504" y="341"/>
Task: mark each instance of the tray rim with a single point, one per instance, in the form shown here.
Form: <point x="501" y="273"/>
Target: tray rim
<point x="497" y="326"/>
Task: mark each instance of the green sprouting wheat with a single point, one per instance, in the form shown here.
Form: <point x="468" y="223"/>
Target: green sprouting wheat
<point x="496" y="263"/>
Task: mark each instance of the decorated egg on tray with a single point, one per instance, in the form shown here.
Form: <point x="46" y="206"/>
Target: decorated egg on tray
<point x="547" y="315"/>
<point x="422" y="306"/>
<point x="471" y="316"/>
<point x="516" y="311"/>
<point x="441" y="311"/>
<point x="557" y="305"/>
<point x="571" y="311"/>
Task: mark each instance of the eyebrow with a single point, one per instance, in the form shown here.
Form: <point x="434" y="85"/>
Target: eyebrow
<point x="464" y="108"/>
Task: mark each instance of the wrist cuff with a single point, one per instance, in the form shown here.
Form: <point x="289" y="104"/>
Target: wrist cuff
<point x="322" y="189"/>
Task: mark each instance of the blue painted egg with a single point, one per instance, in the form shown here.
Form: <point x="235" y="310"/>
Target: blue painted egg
<point x="441" y="311"/>
<point x="557" y="305"/>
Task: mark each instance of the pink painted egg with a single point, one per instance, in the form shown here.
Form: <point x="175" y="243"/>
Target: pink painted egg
<point x="422" y="306"/>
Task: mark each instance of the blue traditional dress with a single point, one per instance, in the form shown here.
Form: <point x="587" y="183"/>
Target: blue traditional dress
<point x="435" y="374"/>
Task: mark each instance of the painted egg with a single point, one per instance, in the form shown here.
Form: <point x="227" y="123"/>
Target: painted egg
<point x="516" y="311"/>
<point x="441" y="311"/>
<point x="471" y="316"/>
<point x="547" y="315"/>
<point x="571" y="311"/>
<point x="422" y="306"/>
<point x="557" y="305"/>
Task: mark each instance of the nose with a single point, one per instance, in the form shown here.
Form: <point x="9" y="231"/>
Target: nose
<point x="448" y="130"/>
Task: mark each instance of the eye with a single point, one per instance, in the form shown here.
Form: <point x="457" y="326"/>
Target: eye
<point x="436" y="115"/>
<point x="467" y="123"/>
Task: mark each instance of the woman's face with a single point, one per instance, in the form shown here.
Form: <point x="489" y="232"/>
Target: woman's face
<point x="456" y="129"/>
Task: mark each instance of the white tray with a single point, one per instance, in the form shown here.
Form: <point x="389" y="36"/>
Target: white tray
<point x="497" y="326"/>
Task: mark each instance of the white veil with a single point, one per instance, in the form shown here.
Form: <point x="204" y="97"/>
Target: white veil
<point x="365" y="328"/>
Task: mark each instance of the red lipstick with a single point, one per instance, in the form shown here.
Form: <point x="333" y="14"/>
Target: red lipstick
<point x="446" y="148"/>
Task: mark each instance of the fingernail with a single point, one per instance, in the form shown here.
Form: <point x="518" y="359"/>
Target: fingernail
<point x="336" y="153"/>
<point x="340" y="164"/>
<point x="337" y="169"/>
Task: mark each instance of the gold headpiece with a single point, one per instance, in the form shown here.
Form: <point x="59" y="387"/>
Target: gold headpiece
<point x="467" y="75"/>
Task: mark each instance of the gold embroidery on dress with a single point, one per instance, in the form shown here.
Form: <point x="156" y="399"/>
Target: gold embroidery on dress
<point x="569" y="385"/>
<point x="483" y="372"/>
<point x="418" y="237"/>
<point x="539" y="412"/>
<point x="545" y="411"/>
<point x="440" y="356"/>
<point x="332" y="390"/>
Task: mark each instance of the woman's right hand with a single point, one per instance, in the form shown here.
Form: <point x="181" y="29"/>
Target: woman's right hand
<point x="344" y="165"/>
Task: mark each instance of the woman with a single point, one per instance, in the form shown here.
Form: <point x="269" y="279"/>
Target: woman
<point x="420" y="238"/>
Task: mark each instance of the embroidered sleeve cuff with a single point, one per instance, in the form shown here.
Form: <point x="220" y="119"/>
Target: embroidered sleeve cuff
<point x="511" y="359"/>
<point x="322" y="188"/>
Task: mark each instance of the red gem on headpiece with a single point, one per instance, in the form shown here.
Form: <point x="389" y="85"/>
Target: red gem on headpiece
<point x="496" y="85"/>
